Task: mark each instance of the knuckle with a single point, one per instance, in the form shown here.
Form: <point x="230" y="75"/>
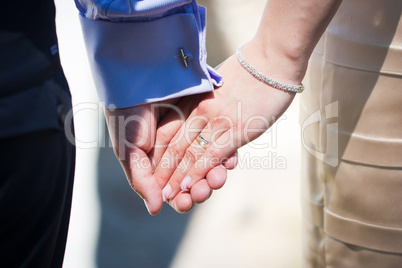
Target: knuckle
<point x="162" y="179"/>
<point x="199" y="171"/>
<point x="213" y="153"/>
<point x="175" y="150"/>
<point x="163" y="134"/>
<point x="222" y="123"/>
<point x="191" y="154"/>
<point x="203" y="107"/>
<point x="175" y="180"/>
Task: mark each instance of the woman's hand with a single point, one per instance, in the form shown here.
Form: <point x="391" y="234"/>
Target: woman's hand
<point x="231" y="116"/>
<point x="133" y="132"/>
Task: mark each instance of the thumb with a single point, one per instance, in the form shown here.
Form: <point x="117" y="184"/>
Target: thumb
<point x="138" y="169"/>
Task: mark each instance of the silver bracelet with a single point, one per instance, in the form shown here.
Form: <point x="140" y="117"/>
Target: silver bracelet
<point x="265" y="79"/>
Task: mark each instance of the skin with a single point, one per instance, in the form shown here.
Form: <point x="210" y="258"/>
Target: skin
<point x="133" y="133"/>
<point x="287" y="35"/>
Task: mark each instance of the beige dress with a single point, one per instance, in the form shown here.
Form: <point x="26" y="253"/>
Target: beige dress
<point x="351" y="117"/>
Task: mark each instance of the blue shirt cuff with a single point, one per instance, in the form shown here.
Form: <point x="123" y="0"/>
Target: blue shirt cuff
<point x="135" y="62"/>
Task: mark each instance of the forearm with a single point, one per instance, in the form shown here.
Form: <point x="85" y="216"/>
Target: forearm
<point x="287" y="35"/>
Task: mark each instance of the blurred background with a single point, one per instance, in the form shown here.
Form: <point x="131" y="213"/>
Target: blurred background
<point x="254" y="221"/>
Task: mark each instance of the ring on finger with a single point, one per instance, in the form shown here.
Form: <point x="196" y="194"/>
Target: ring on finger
<point x="203" y="142"/>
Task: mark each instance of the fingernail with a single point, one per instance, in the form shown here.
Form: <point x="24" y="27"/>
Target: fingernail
<point x="185" y="183"/>
<point x="166" y="192"/>
<point x="146" y="205"/>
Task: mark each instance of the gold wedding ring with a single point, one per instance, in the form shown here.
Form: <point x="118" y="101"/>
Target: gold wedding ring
<point x="203" y="142"/>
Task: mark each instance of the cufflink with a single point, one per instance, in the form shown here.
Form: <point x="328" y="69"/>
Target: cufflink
<point x="183" y="57"/>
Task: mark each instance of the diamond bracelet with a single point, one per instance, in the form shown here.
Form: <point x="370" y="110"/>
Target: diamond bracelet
<point x="265" y="79"/>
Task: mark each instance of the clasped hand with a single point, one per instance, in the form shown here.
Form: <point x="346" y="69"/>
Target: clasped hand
<point x="156" y="143"/>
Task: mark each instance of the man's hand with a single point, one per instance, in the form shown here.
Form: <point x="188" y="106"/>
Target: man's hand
<point x="133" y="132"/>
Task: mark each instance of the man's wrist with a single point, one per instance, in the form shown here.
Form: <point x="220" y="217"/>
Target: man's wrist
<point x="149" y="60"/>
<point x="142" y="62"/>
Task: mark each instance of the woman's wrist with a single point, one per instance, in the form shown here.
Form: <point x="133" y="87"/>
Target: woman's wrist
<point x="274" y="62"/>
<point x="287" y="35"/>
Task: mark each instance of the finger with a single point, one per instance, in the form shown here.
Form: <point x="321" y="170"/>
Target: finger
<point x="138" y="169"/>
<point x="177" y="147"/>
<point x="212" y="157"/>
<point x="182" y="202"/>
<point x="164" y="133"/>
<point x="193" y="153"/>
<point x="168" y="126"/>
<point x="201" y="191"/>
<point x="132" y="131"/>
<point x="191" y="156"/>
<point x="215" y="178"/>
<point x="231" y="162"/>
